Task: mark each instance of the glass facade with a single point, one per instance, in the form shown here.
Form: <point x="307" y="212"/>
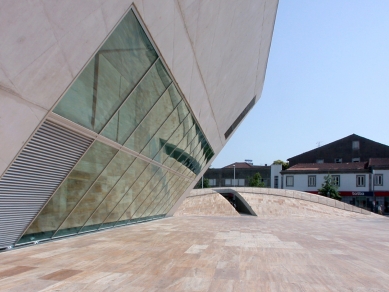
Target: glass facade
<point x="124" y="94"/>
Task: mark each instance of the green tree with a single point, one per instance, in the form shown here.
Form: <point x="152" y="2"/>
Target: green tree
<point x="328" y="189"/>
<point x="204" y="184"/>
<point x="285" y="164"/>
<point x="256" y="181"/>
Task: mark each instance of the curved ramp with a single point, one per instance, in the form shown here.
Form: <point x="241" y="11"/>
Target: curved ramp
<point x="278" y="203"/>
<point x="267" y="203"/>
<point x="208" y="203"/>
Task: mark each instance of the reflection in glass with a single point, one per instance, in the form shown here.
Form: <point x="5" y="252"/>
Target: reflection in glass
<point x="124" y="192"/>
<point x="97" y="193"/>
<point x="72" y="189"/>
<point x="138" y="104"/>
<point x="167" y="187"/>
<point x="109" y="77"/>
<point x="126" y="95"/>
<point x="137" y="188"/>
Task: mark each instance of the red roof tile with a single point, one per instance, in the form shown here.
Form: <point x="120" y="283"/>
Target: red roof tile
<point x="379" y="162"/>
<point x="328" y="166"/>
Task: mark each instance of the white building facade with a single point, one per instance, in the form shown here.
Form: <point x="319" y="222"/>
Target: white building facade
<point x="361" y="183"/>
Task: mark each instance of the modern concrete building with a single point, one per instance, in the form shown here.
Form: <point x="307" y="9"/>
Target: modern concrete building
<point x="110" y="111"/>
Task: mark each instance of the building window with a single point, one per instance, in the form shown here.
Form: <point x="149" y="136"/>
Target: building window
<point x="356" y="159"/>
<point x="311" y="180"/>
<point x="234" y="183"/>
<point x="336" y="180"/>
<point x="360" y="180"/>
<point x="355" y="145"/>
<point x="319" y="160"/>
<point x="212" y="182"/>
<point x="289" y="181"/>
<point x="276" y="182"/>
<point x="378" y="180"/>
<point x="338" y="160"/>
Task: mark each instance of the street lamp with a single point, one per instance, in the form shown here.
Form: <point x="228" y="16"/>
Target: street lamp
<point x="234" y="175"/>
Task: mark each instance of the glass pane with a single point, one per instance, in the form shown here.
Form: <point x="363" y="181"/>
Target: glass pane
<point x="122" y="194"/>
<point x="100" y="189"/>
<point x="138" y="104"/>
<point x="148" y="194"/>
<point x="150" y="125"/>
<point x="115" y="195"/>
<point x="73" y="188"/>
<point x="179" y="140"/>
<point x="175" y="197"/>
<point x="160" y="138"/>
<point x="137" y="188"/>
<point x="162" y="188"/>
<point x="109" y="77"/>
<point x="186" y="159"/>
<point x="170" y="193"/>
<point x="179" y="155"/>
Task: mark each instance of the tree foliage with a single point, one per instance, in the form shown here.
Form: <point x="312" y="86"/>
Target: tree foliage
<point x="328" y="189"/>
<point x="204" y="184"/>
<point x="285" y="164"/>
<point x="256" y="181"/>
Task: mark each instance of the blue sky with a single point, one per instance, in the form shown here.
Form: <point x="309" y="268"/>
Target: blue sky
<point x="327" y="77"/>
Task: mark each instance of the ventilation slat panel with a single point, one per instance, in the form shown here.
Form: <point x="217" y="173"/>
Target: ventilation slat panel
<point x="35" y="175"/>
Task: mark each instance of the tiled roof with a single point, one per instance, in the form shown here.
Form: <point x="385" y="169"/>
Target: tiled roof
<point x="328" y="166"/>
<point x="378" y="162"/>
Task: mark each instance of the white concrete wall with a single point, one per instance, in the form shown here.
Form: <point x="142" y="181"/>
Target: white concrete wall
<point x="275" y="171"/>
<point x="385" y="186"/>
<point x="216" y="50"/>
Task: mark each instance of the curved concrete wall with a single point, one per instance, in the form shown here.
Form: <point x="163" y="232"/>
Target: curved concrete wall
<point x="211" y="204"/>
<point x="271" y="203"/>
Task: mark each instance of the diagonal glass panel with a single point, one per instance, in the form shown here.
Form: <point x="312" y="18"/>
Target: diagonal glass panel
<point x="138" y="104"/>
<point x="156" y="192"/>
<point x="175" y="191"/>
<point x="120" y="197"/>
<point x="72" y="189"/>
<point x="168" y="184"/>
<point x="109" y="77"/>
<point x="137" y="189"/>
<point x="192" y="162"/>
<point x="97" y="193"/>
<point x="176" y="137"/>
<point x="175" y="196"/>
<point x="151" y="124"/>
<point x="172" y="151"/>
<point x="146" y="196"/>
<point x="166" y="131"/>
<point x="184" y="158"/>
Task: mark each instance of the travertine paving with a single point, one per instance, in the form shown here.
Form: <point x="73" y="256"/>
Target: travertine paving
<point x="210" y="254"/>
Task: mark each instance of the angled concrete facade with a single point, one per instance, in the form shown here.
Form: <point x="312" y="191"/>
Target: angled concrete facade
<point x="214" y="54"/>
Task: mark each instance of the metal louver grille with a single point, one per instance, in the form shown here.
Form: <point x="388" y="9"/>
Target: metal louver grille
<point x="34" y="176"/>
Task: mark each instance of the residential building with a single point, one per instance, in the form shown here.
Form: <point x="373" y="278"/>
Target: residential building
<point x="242" y="171"/>
<point x="362" y="184"/>
<point x="352" y="148"/>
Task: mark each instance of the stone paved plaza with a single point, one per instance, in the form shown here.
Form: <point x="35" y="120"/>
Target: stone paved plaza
<point x="210" y="254"/>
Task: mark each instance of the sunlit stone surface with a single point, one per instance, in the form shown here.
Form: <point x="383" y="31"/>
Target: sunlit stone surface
<point x="210" y="254"/>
